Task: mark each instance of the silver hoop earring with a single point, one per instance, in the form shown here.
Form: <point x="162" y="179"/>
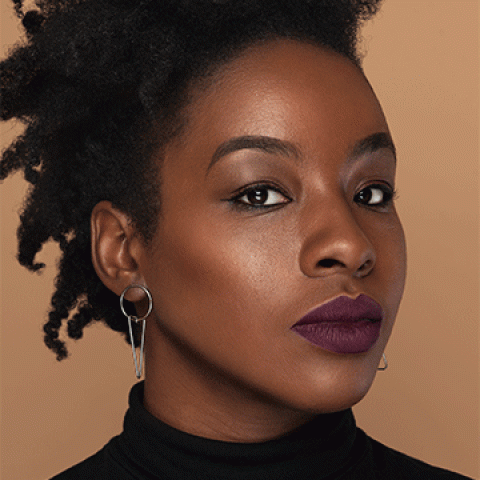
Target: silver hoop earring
<point x="130" y="318"/>
<point x="385" y="363"/>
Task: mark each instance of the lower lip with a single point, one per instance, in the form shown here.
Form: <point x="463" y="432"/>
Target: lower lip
<point x="341" y="337"/>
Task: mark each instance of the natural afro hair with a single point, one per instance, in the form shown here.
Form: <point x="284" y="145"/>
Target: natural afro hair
<point x="93" y="81"/>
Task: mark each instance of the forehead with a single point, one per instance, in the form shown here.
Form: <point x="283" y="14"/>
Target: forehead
<point x="285" y="89"/>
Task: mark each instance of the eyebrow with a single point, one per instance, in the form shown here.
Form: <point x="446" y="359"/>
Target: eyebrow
<point x="273" y="145"/>
<point x="371" y="144"/>
<point x="257" y="142"/>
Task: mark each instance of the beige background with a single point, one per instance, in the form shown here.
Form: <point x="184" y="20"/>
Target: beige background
<point x="423" y="62"/>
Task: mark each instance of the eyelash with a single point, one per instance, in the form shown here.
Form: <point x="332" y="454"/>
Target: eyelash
<point x="389" y="194"/>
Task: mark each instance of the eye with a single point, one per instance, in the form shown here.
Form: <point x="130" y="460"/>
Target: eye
<point x="260" y="196"/>
<point x="375" y="195"/>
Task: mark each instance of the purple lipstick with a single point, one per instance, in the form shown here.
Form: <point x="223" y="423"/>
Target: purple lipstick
<point x="343" y="325"/>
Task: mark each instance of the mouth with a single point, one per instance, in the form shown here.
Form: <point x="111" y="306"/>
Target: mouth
<point x="343" y="325"/>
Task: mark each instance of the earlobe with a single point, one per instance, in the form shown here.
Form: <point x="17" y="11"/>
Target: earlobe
<point x="115" y="249"/>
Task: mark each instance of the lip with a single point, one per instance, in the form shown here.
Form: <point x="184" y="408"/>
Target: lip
<point x="343" y="325"/>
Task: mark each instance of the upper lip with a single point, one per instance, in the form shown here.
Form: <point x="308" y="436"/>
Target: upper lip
<point x="344" y="309"/>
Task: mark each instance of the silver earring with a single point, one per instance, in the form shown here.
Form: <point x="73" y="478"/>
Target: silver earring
<point x="385" y="363"/>
<point x="130" y="318"/>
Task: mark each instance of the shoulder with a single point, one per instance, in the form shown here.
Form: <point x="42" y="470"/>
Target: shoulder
<point x="392" y="464"/>
<point x="91" y="468"/>
<point x="101" y="466"/>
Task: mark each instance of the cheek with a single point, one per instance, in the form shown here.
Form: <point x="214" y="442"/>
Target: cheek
<point x="204" y="280"/>
<point x="391" y="263"/>
<point x="399" y="260"/>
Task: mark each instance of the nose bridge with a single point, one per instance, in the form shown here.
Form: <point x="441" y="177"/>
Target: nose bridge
<point x="334" y="241"/>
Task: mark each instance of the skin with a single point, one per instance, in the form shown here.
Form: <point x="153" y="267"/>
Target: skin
<point x="229" y="280"/>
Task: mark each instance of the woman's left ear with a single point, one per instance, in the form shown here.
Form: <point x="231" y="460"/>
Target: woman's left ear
<point x="116" y="250"/>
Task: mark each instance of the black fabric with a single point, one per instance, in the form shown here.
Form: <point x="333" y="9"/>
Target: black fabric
<point x="330" y="447"/>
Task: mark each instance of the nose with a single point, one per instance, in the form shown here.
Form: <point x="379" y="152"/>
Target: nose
<point x="336" y="244"/>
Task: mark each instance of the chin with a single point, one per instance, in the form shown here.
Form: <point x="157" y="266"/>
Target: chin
<point x="340" y="401"/>
<point x="335" y="394"/>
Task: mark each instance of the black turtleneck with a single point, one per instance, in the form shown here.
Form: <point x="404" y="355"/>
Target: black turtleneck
<point x="329" y="447"/>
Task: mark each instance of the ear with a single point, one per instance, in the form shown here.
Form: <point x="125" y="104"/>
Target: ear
<point x="116" y="250"/>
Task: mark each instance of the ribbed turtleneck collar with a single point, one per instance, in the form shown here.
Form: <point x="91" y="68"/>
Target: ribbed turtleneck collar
<point x="317" y="450"/>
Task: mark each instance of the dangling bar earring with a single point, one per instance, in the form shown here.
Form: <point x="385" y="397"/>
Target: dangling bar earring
<point x="130" y="318"/>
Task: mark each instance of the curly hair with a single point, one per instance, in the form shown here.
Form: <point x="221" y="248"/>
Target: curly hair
<point x="100" y="85"/>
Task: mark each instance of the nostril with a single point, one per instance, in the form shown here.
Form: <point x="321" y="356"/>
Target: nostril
<point x="328" y="263"/>
<point x="365" y="266"/>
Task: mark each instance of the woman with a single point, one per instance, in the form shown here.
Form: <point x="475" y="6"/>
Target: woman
<point x="189" y="170"/>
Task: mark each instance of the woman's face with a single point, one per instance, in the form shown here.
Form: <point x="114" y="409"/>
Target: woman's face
<point x="275" y="200"/>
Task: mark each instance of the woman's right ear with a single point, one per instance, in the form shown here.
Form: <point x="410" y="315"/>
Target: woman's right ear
<point x="116" y="249"/>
